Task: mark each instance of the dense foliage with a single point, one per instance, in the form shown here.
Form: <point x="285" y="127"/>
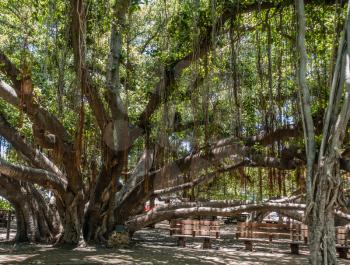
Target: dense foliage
<point x="244" y="86"/>
<point x="106" y="105"/>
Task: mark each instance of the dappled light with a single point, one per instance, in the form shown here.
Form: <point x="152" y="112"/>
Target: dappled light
<point x="156" y="247"/>
<point x="175" y="132"/>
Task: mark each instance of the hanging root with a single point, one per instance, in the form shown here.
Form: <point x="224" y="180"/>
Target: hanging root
<point x="308" y="210"/>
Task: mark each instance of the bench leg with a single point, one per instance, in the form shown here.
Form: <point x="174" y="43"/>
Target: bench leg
<point x="343" y="253"/>
<point x="248" y="245"/>
<point x="206" y="243"/>
<point x="181" y="242"/>
<point x="294" y="248"/>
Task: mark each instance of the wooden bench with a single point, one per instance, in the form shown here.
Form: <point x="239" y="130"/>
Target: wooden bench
<point x="292" y="234"/>
<point x="342" y="241"/>
<point x="205" y="229"/>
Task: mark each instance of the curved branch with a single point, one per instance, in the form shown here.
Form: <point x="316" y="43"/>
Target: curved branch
<point x="8" y="94"/>
<point x="223" y="149"/>
<point x="45" y="121"/>
<point x="197" y="181"/>
<point x="36" y="113"/>
<point x="37" y="158"/>
<point x="226" y="148"/>
<point x="41" y="177"/>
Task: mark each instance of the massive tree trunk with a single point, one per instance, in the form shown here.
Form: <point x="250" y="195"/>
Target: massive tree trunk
<point x="70" y="202"/>
<point x="37" y="221"/>
<point x="71" y="210"/>
<point x="67" y="186"/>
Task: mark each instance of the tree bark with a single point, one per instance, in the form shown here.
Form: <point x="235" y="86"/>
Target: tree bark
<point x="321" y="219"/>
<point x="324" y="182"/>
<point x="166" y="213"/>
<point x="36" y="220"/>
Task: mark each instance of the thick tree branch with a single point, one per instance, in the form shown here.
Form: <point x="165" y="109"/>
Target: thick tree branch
<point x="41" y="177"/>
<point x="35" y="157"/>
<point x="8" y="94"/>
<point x="43" y="120"/>
<point x="118" y="110"/>
<point x="45" y="140"/>
<point x="224" y="149"/>
<point x="36" y="113"/>
<point x="343" y="215"/>
<point x="197" y="181"/>
<point x="155" y="215"/>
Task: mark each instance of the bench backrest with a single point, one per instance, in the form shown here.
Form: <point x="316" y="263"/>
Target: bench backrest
<point x="342" y="236"/>
<point x="291" y="231"/>
<point x="190" y="227"/>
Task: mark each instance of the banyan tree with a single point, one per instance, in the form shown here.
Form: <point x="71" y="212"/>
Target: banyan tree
<point x="107" y="105"/>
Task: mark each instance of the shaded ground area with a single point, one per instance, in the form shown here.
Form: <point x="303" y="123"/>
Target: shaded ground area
<point x="156" y="247"/>
<point x="3" y="233"/>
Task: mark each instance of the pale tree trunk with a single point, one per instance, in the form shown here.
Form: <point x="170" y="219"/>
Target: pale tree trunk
<point x="324" y="182"/>
<point x="321" y="218"/>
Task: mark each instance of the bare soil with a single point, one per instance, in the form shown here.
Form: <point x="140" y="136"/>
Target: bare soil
<point x="155" y="246"/>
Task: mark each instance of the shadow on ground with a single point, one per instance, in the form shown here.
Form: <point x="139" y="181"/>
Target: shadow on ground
<point x="154" y="247"/>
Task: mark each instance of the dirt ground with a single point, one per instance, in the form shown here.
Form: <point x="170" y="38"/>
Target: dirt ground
<point x="155" y="246"/>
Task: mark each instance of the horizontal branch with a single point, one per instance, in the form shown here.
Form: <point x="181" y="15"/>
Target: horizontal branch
<point x="289" y="199"/>
<point x="288" y="131"/>
<point x="211" y="203"/>
<point x="224" y="208"/>
<point x="41" y="177"/>
<point x="197" y="181"/>
<point x="343" y="215"/>
<point x="224" y="150"/>
<point x="155" y="215"/>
